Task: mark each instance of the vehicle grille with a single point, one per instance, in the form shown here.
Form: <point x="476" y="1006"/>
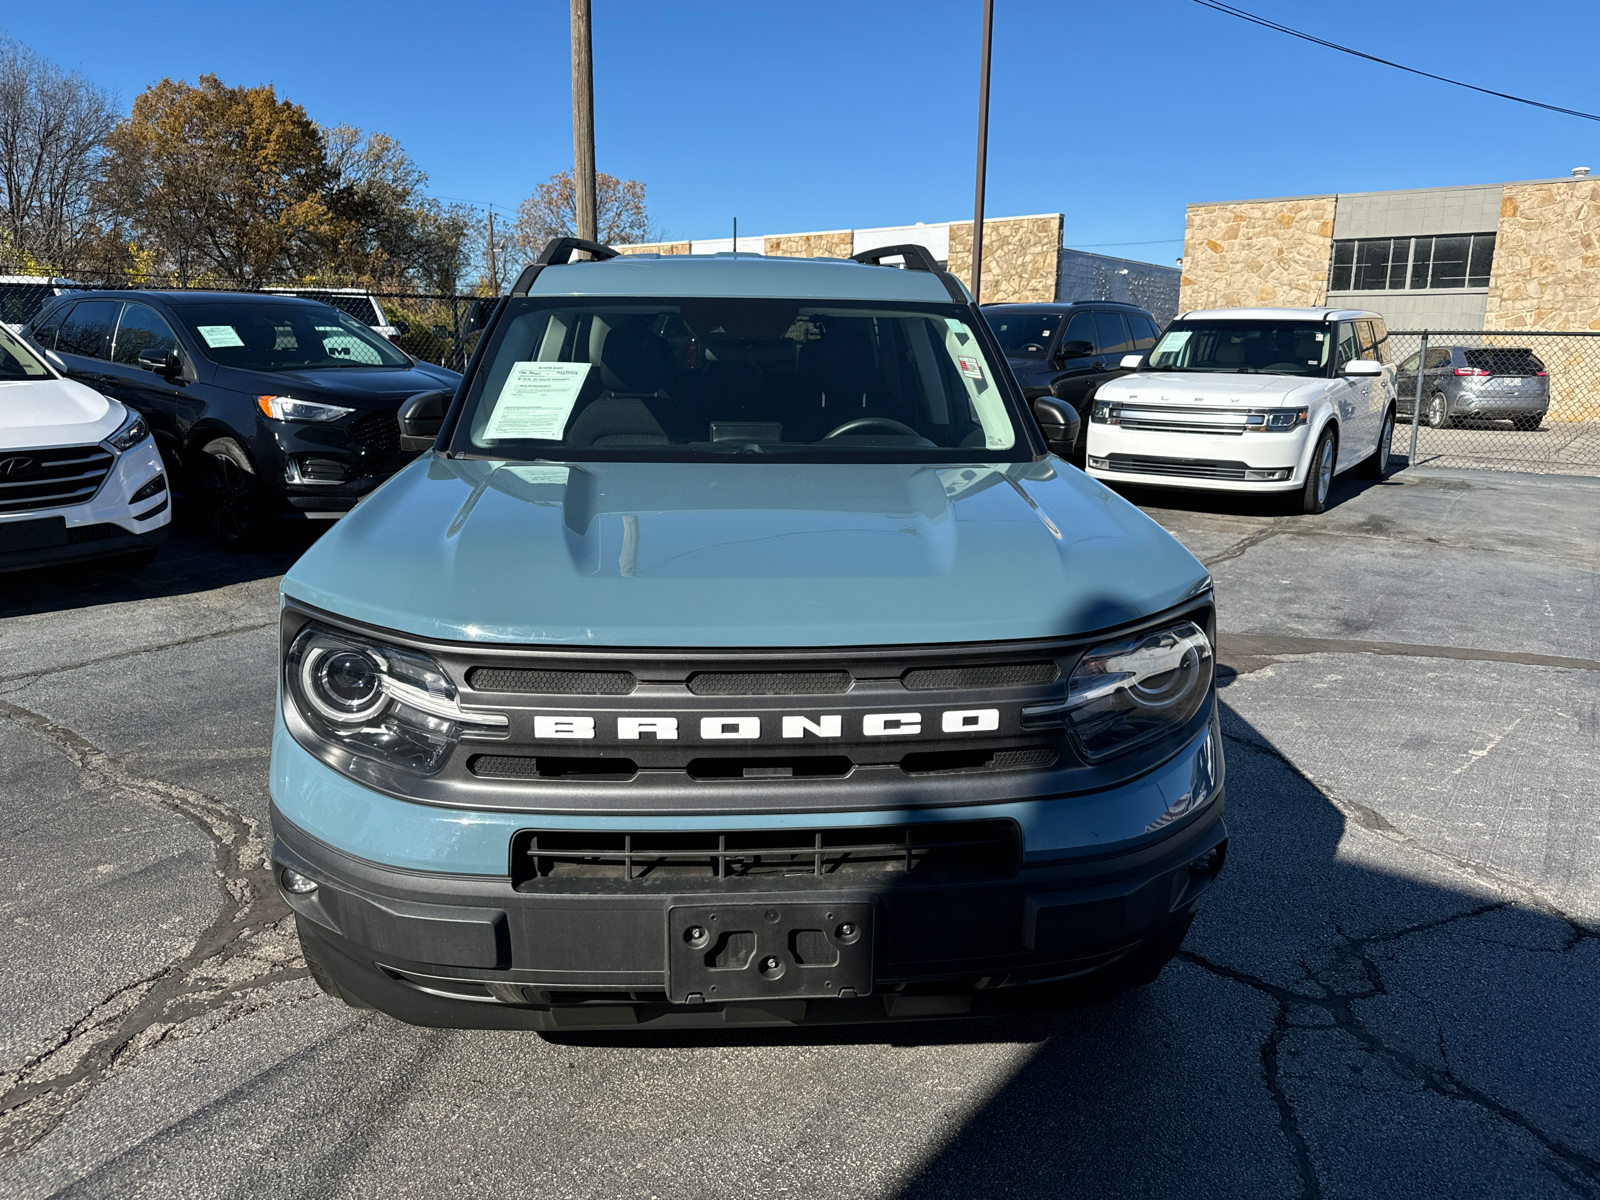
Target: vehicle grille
<point x="998" y="675"/>
<point x="77" y="534"/>
<point x="57" y="478"/>
<point x="1154" y="424"/>
<point x="379" y="431"/>
<point x="769" y="683"/>
<point x="552" y="683"/>
<point x="1192" y="468"/>
<point x="960" y="849"/>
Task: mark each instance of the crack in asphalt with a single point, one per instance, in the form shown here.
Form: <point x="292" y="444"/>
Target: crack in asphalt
<point x="1578" y="1170"/>
<point x="121" y="655"/>
<point x="1238" y="548"/>
<point x="249" y="945"/>
<point x="1248" y="652"/>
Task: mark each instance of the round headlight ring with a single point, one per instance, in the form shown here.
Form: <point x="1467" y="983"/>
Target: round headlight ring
<point x="343" y="683"/>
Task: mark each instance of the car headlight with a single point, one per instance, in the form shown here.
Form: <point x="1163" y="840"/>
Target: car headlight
<point x="395" y="706"/>
<point x="287" y="408"/>
<point x="130" y="433"/>
<point x="1131" y="692"/>
<point x="1276" y="420"/>
<point x="1105" y="413"/>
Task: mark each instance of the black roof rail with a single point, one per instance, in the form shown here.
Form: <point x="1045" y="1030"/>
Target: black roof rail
<point x="918" y="258"/>
<point x="557" y="252"/>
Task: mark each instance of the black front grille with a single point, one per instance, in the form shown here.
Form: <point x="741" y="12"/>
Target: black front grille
<point x="946" y="762"/>
<point x="552" y="683"/>
<point x="769" y="683"/>
<point x="545" y="766"/>
<point x="78" y="534"/>
<point x="34" y="479"/>
<point x="379" y="431"/>
<point x="994" y="675"/>
<point x="1191" y="468"/>
<point x="942" y="849"/>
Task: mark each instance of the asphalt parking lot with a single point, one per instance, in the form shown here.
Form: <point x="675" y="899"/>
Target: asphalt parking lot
<point x="1391" y="992"/>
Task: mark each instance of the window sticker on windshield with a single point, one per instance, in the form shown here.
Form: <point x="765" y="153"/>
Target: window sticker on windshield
<point x="539" y="473"/>
<point x="537" y="400"/>
<point x="219" y="336"/>
<point x="970" y="367"/>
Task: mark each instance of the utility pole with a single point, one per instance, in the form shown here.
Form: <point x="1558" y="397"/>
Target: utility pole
<point x="583" y="122"/>
<point x="494" y="271"/>
<point x="983" y="152"/>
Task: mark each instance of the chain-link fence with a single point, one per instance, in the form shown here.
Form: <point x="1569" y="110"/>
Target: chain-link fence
<point x="1501" y="400"/>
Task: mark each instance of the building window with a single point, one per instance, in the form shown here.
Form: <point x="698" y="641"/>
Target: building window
<point x="1412" y="263"/>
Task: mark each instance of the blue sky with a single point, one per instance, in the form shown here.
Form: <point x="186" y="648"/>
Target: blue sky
<point x="834" y="115"/>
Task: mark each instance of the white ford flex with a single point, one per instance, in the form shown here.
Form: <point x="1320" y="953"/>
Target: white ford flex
<point x="1251" y="400"/>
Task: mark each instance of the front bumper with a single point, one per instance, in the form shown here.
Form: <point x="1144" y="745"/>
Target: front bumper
<point x="443" y="947"/>
<point x="1208" y="461"/>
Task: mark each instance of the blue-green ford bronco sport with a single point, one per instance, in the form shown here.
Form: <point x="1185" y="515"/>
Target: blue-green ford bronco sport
<point x="741" y="654"/>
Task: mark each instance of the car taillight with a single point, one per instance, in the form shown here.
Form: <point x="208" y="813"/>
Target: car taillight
<point x="1541" y="372"/>
<point x="395" y="338"/>
<point x="1470" y="371"/>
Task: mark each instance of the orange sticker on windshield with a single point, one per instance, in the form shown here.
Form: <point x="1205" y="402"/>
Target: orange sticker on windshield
<point x="970" y="367"/>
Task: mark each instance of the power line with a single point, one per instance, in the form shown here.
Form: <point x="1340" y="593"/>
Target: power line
<point x="1231" y="11"/>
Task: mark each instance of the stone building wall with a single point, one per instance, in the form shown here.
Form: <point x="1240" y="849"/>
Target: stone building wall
<point x="1546" y="272"/>
<point x="836" y="243"/>
<point x="654" y="248"/>
<point x="1258" y="253"/>
<point x="1021" y="257"/>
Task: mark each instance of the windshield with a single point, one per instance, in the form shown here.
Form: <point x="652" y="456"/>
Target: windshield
<point x="686" y="379"/>
<point x="1021" y="332"/>
<point x="285" y="337"/>
<point x="17" y="362"/>
<point x="1245" y="347"/>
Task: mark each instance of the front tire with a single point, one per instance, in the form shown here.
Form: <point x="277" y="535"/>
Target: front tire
<point x="230" y="498"/>
<point x="1376" y="465"/>
<point x="1313" y="496"/>
<point x="1439" y="411"/>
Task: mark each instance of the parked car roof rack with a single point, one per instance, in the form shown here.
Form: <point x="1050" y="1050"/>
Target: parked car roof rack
<point x="917" y="258"/>
<point x="557" y="252"/>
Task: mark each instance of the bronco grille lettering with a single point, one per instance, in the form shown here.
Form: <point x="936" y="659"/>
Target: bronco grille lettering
<point x="791" y="726"/>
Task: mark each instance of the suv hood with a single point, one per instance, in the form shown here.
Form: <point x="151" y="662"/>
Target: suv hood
<point x="35" y="413"/>
<point x="749" y="555"/>
<point x="355" y="387"/>
<point x="1185" y="387"/>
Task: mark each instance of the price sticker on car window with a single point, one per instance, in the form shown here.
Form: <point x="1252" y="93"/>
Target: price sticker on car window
<point x="220" y="336"/>
<point x="970" y="367"/>
<point x="537" y="400"/>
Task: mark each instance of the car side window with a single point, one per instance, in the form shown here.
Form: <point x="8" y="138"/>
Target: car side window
<point x="1079" y="329"/>
<point x="86" y="330"/>
<point x="1437" y="359"/>
<point x="44" y="334"/>
<point x="1369" y="343"/>
<point x="1349" y="346"/>
<point x="1145" y="333"/>
<point x="1111" y="334"/>
<point x="141" y="329"/>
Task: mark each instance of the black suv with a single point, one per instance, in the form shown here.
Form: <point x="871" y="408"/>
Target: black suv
<point x="264" y="406"/>
<point x="1069" y="348"/>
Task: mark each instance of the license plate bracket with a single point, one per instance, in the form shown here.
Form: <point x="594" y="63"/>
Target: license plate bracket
<point x="33" y="535"/>
<point x="776" y="951"/>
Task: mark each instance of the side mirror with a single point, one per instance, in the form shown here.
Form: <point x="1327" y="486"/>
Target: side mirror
<point x="1132" y="362"/>
<point x="1059" y="423"/>
<point x="1363" y="366"/>
<point x="420" y="419"/>
<point x="1075" y="350"/>
<point x="162" y="362"/>
<point x="403" y="326"/>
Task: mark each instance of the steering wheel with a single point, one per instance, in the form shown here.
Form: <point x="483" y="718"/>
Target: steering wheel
<point x="888" y="423"/>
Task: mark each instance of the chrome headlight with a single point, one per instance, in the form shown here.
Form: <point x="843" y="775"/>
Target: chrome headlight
<point x="379" y="702"/>
<point x="1276" y="420"/>
<point x="130" y="433"/>
<point x="1130" y="692"/>
<point x="287" y="408"/>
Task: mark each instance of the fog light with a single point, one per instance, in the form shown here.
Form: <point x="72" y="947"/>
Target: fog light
<point x="1203" y="865"/>
<point x="1266" y="475"/>
<point x="1100" y="464"/>
<point x="297" y="883"/>
<point x="154" y="488"/>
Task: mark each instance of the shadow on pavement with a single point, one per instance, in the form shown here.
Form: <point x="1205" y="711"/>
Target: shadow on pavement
<point x="1345" y="488"/>
<point x="188" y="562"/>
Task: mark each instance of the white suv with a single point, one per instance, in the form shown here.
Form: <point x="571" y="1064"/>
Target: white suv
<point x="80" y="476"/>
<point x="354" y="302"/>
<point x="1251" y="400"/>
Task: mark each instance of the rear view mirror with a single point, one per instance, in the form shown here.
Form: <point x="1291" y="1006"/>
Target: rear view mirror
<point x="421" y="417"/>
<point x="1075" y="350"/>
<point x="1363" y="366"/>
<point x="1059" y="423"/>
<point x="1132" y="362"/>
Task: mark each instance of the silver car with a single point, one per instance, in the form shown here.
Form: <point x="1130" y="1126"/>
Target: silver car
<point x="1476" y="383"/>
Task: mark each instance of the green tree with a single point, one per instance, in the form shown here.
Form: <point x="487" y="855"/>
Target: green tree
<point x="223" y="181"/>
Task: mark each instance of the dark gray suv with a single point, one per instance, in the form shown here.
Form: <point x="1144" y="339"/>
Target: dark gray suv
<point x="1069" y="348"/>
<point x="1476" y="383"/>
